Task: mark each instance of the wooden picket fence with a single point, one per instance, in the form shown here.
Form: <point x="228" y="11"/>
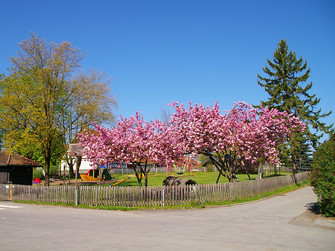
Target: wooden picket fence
<point x="150" y="196"/>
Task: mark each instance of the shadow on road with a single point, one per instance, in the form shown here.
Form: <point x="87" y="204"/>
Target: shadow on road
<point x="313" y="218"/>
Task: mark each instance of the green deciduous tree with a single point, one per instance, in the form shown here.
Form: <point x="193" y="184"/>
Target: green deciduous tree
<point x="46" y="99"/>
<point x="286" y="83"/>
<point x="2" y="76"/>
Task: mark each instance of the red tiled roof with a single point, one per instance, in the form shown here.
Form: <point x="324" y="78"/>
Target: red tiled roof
<point x="7" y="159"/>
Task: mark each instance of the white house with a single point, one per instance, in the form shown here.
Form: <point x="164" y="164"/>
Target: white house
<point x="86" y="166"/>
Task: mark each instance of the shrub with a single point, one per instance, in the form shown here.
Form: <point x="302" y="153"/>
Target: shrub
<point x="323" y="177"/>
<point x="53" y="171"/>
<point x="37" y="173"/>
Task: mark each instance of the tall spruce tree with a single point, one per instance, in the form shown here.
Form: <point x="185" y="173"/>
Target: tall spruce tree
<point x="286" y="84"/>
<point x="306" y="155"/>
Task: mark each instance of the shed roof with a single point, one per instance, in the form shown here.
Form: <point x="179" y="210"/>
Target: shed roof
<point x="7" y="159"/>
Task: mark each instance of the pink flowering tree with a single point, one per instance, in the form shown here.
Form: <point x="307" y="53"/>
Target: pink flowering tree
<point x="233" y="141"/>
<point x="236" y="140"/>
<point x="134" y="142"/>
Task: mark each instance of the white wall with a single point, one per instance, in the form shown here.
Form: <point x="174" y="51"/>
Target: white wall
<point x="85" y="166"/>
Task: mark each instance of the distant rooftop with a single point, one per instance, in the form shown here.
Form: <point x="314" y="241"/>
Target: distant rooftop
<point x="7" y="159"/>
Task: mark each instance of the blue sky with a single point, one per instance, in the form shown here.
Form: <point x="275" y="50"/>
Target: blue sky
<point x="160" y="51"/>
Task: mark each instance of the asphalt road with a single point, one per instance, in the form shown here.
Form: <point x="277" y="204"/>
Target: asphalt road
<point x="279" y="223"/>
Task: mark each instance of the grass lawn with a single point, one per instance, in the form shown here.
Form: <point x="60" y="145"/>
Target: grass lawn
<point x="156" y="179"/>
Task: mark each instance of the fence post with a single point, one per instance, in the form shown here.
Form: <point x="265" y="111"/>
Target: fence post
<point x="11" y="192"/>
<point x="163" y="196"/>
<point x="76" y="195"/>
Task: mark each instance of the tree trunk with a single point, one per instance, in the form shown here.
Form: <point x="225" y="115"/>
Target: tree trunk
<point x="217" y="180"/>
<point x="218" y="167"/>
<point x="146" y="180"/>
<point x="71" y="169"/>
<point x="146" y="171"/>
<point x="294" y="170"/>
<point x="247" y="173"/>
<point x="47" y="161"/>
<point x="138" y="177"/>
<point x="78" y="163"/>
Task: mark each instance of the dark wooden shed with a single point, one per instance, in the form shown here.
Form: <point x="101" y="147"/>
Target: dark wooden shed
<point x="16" y="169"/>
